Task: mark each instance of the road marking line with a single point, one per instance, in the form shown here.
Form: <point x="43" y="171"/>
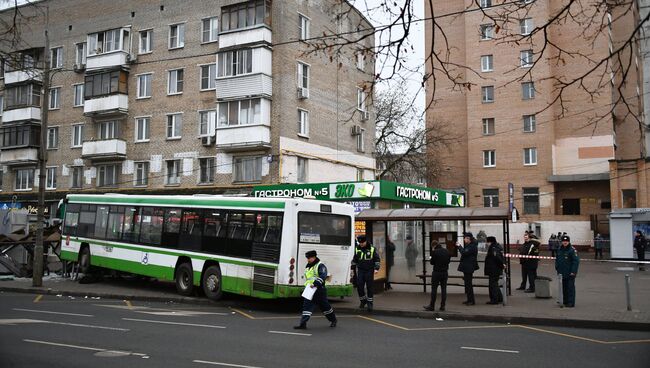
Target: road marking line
<point x="82" y="347"/>
<point x="243" y="313"/>
<point x="223" y="364"/>
<point x="38" y="298"/>
<point x="383" y="323"/>
<point x="626" y="342"/>
<point x="87" y="326"/>
<point x="290" y="333"/>
<point x="50" y="312"/>
<point x="171" y="323"/>
<point x="458" y="328"/>
<point x="562" y="334"/>
<point x="13" y="322"/>
<point x="494" y="350"/>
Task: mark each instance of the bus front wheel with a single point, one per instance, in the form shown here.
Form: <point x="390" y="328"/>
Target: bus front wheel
<point x="184" y="279"/>
<point x="212" y="283"/>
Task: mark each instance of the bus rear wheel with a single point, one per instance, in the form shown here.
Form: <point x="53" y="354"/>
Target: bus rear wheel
<point x="185" y="279"/>
<point x="212" y="283"/>
<point x="84" y="260"/>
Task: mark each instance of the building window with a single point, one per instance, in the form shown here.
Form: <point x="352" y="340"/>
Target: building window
<point x="144" y="85"/>
<point x="489" y="158"/>
<point x="104" y="84"/>
<point x="526" y="26"/>
<point x="22" y="96"/>
<point x="240" y="112"/>
<point x="304" y="27"/>
<point x="526" y="58"/>
<point x="491" y="197"/>
<point x="361" y="100"/>
<point x="529" y="124"/>
<point x="531" y="201"/>
<point x="361" y="60"/>
<point x="142" y="129"/>
<point x="174" y="126"/>
<point x="146" y="41"/>
<point x="487" y="94"/>
<point x="359" y="174"/>
<point x="78" y="95"/>
<point x="24" y="179"/>
<point x="106" y="175"/>
<point x="302" y="169"/>
<point x="209" y="29"/>
<point x="141" y="177"/>
<point x="487" y="31"/>
<point x="246" y="14"/>
<point x="80" y="54"/>
<point x="77" y="177"/>
<point x="173" y="174"/>
<point x="570" y="206"/>
<point x="55" y="98"/>
<point x="237" y="62"/>
<point x="208" y="76"/>
<point x="303" y="77"/>
<point x="106" y="41"/>
<point x="207" y="169"/>
<point x="52" y="138"/>
<point x="50" y="178"/>
<point x="175" y="82"/>
<point x="488" y="126"/>
<point x="303" y="122"/>
<point x="77" y="135"/>
<point x="206" y="122"/>
<point x="56" y="58"/>
<point x="247" y="169"/>
<point x="486" y="3"/>
<point x="107" y="130"/>
<point x="361" y="141"/>
<point x="2" y="102"/>
<point x="629" y="198"/>
<point x="530" y="156"/>
<point x="528" y="90"/>
<point x="487" y="63"/>
<point x="176" y="36"/>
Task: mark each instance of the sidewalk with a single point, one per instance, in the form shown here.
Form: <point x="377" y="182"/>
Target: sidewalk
<point x="600" y="301"/>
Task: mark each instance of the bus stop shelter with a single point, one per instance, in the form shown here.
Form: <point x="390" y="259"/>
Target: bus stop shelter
<point x="426" y="224"/>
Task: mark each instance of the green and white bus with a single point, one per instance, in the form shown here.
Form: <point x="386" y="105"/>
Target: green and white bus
<point x="247" y="246"/>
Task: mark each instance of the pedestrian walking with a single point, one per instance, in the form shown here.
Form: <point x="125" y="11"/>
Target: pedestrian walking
<point x="440" y="259"/>
<point x="566" y="265"/>
<point x="599" y="244"/>
<point x="390" y="261"/>
<point x="640" y="244"/>
<point x="315" y="276"/>
<point x="366" y="262"/>
<point x="468" y="264"/>
<point x="529" y="265"/>
<point x="493" y="269"/>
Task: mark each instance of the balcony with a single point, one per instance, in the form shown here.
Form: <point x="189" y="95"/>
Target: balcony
<point x="245" y="36"/>
<point x="28" y="113"/>
<point x="108" y="149"/>
<point x="19" y="157"/>
<point x="108" y="60"/>
<point x="243" y="137"/>
<point x="18" y="76"/>
<point x="116" y="104"/>
<point x="244" y="86"/>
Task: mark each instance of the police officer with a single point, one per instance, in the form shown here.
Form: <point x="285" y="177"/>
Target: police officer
<point x="494" y="266"/>
<point x="468" y="264"/>
<point x="315" y="275"/>
<point x="366" y="261"/>
<point x="440" y="259"/>
<point x="566" y="265"/>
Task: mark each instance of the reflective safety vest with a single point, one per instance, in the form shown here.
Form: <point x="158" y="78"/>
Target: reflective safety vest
<point x="311" y="274"/>
<point x="363" y="256"/>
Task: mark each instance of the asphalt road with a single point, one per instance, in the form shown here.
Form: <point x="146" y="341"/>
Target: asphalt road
<point x="51" y="331"/>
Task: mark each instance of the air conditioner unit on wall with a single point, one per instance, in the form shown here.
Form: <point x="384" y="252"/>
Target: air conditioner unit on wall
<point x="303" y="93"/>
<point x="78" y="68"/>
<point x="207" y="141"/>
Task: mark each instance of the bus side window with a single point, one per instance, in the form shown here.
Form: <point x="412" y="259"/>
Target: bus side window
<point x="151" y="225"/>
<point x="268" y="228"/>
<point x="101" y="222"/>
<point x="171" y="227"/>
<point x="131" y="229"/>
<point x="115" y="222"/>
<point x="86" y="220"/>
<point x="71" y="223"/>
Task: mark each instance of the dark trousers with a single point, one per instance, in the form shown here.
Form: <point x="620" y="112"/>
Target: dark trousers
<point x="493" y="289"/>
<point x="569" y="291"/>
<point x="365" y="279"/>
<point x="640" y="256"/>
<point x="320" y="299"/>
<point x="439" y="278"/>
<point x="553" y="252"/>
<point x="469" y="288"/>
<point x="598" y="252"/>
<point x="528" y="273"/>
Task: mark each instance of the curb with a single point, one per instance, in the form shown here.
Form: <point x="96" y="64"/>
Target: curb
<point x="555" y="322"/>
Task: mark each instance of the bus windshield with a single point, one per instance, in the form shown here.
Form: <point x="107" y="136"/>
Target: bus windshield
<point x="322" y="228"/>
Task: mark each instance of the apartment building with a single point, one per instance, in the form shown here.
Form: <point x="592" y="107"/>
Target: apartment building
<point x="564" y="164"/>
<point x="185" y="97"/>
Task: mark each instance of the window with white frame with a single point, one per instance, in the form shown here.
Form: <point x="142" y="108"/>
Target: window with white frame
<point x="208" y="76"/>
<point x="240" y="112"/>
<point x="303" y="122"/>
<point x="526" y="26"/>
<point x="24" y="179"/>
<point x="80" y="54"/>
<point x="530" y="156"/>
<point x="76" y="179"/>
<point x="107" y="129"/>
<point x="144" y="85"/>
<point x="107" y="175"/>
<point x="107" y="41"/>
<point x="247" y="169"/>
<point x="303" y="76"/>
<point x="487" y="94"/>
<point x="206" y="122"/>
<point x="487" y="63"/>
<point x="361" y="99"/>
<point x="528" y="90"/>
<point x="55" y="98"/>
<point x="174" y="126"/>
<point x="491" y="197"/>
<point x="487" y="31"/>
<point x="141" y="174"/>
<point x="77" y="135"/>
<point x="176" y="36"/>
<point x="301" y="169"/>
<point x="173" y="172"/>
<point x="78" y="90"/>
<point x="146" y="41"/>
<point x="56" y="57"/>
<point x="175" y="82"/>
<point x="359" y="174"/>
<point x="2" y="104"/>
<point x="488" y="126"/>
<point x="50" y="178"/>
<point x="489" y="158"/>
<point x="361" y="141"/>
<point x="486" y="3"/>
<point x="209" y="29"/>
<point x="236" y="62"/>
<point x="361" y="60"/>
<point x="304" y="23"/>
<point x="52" y="137"/>
<point x="206" y="170"/>
<point x="526" y="57"/>
<point x="142" y="129"/>
<point x="529" y="123"/>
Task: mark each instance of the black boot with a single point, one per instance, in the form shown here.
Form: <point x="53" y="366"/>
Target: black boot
<point x="302" y="326"/>
<point x="369" y="306"/>
<point x="362" y="304"/>
<point x="333" y="323"/>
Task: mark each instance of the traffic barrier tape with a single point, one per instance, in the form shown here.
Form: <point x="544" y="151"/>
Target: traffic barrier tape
<point x="527" y="256"/>
<point x="510" y="255"/>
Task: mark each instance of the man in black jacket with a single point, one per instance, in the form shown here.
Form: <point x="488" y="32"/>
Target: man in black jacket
<point x="440" y="259"/>
<point x="366" y="261"/>
<point x="468" y="264"/>
<point x="530" y="248"/>
<point x="494" y="266"/>
<point x="640" y="244"/>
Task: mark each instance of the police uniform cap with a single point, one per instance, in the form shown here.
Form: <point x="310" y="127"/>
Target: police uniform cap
<point x="311" y="253"/>
<point x="491" y="239"/>
<point x="566" y="238"/>
<point x="361" y="238"/>
<point x="468" y="235"/>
